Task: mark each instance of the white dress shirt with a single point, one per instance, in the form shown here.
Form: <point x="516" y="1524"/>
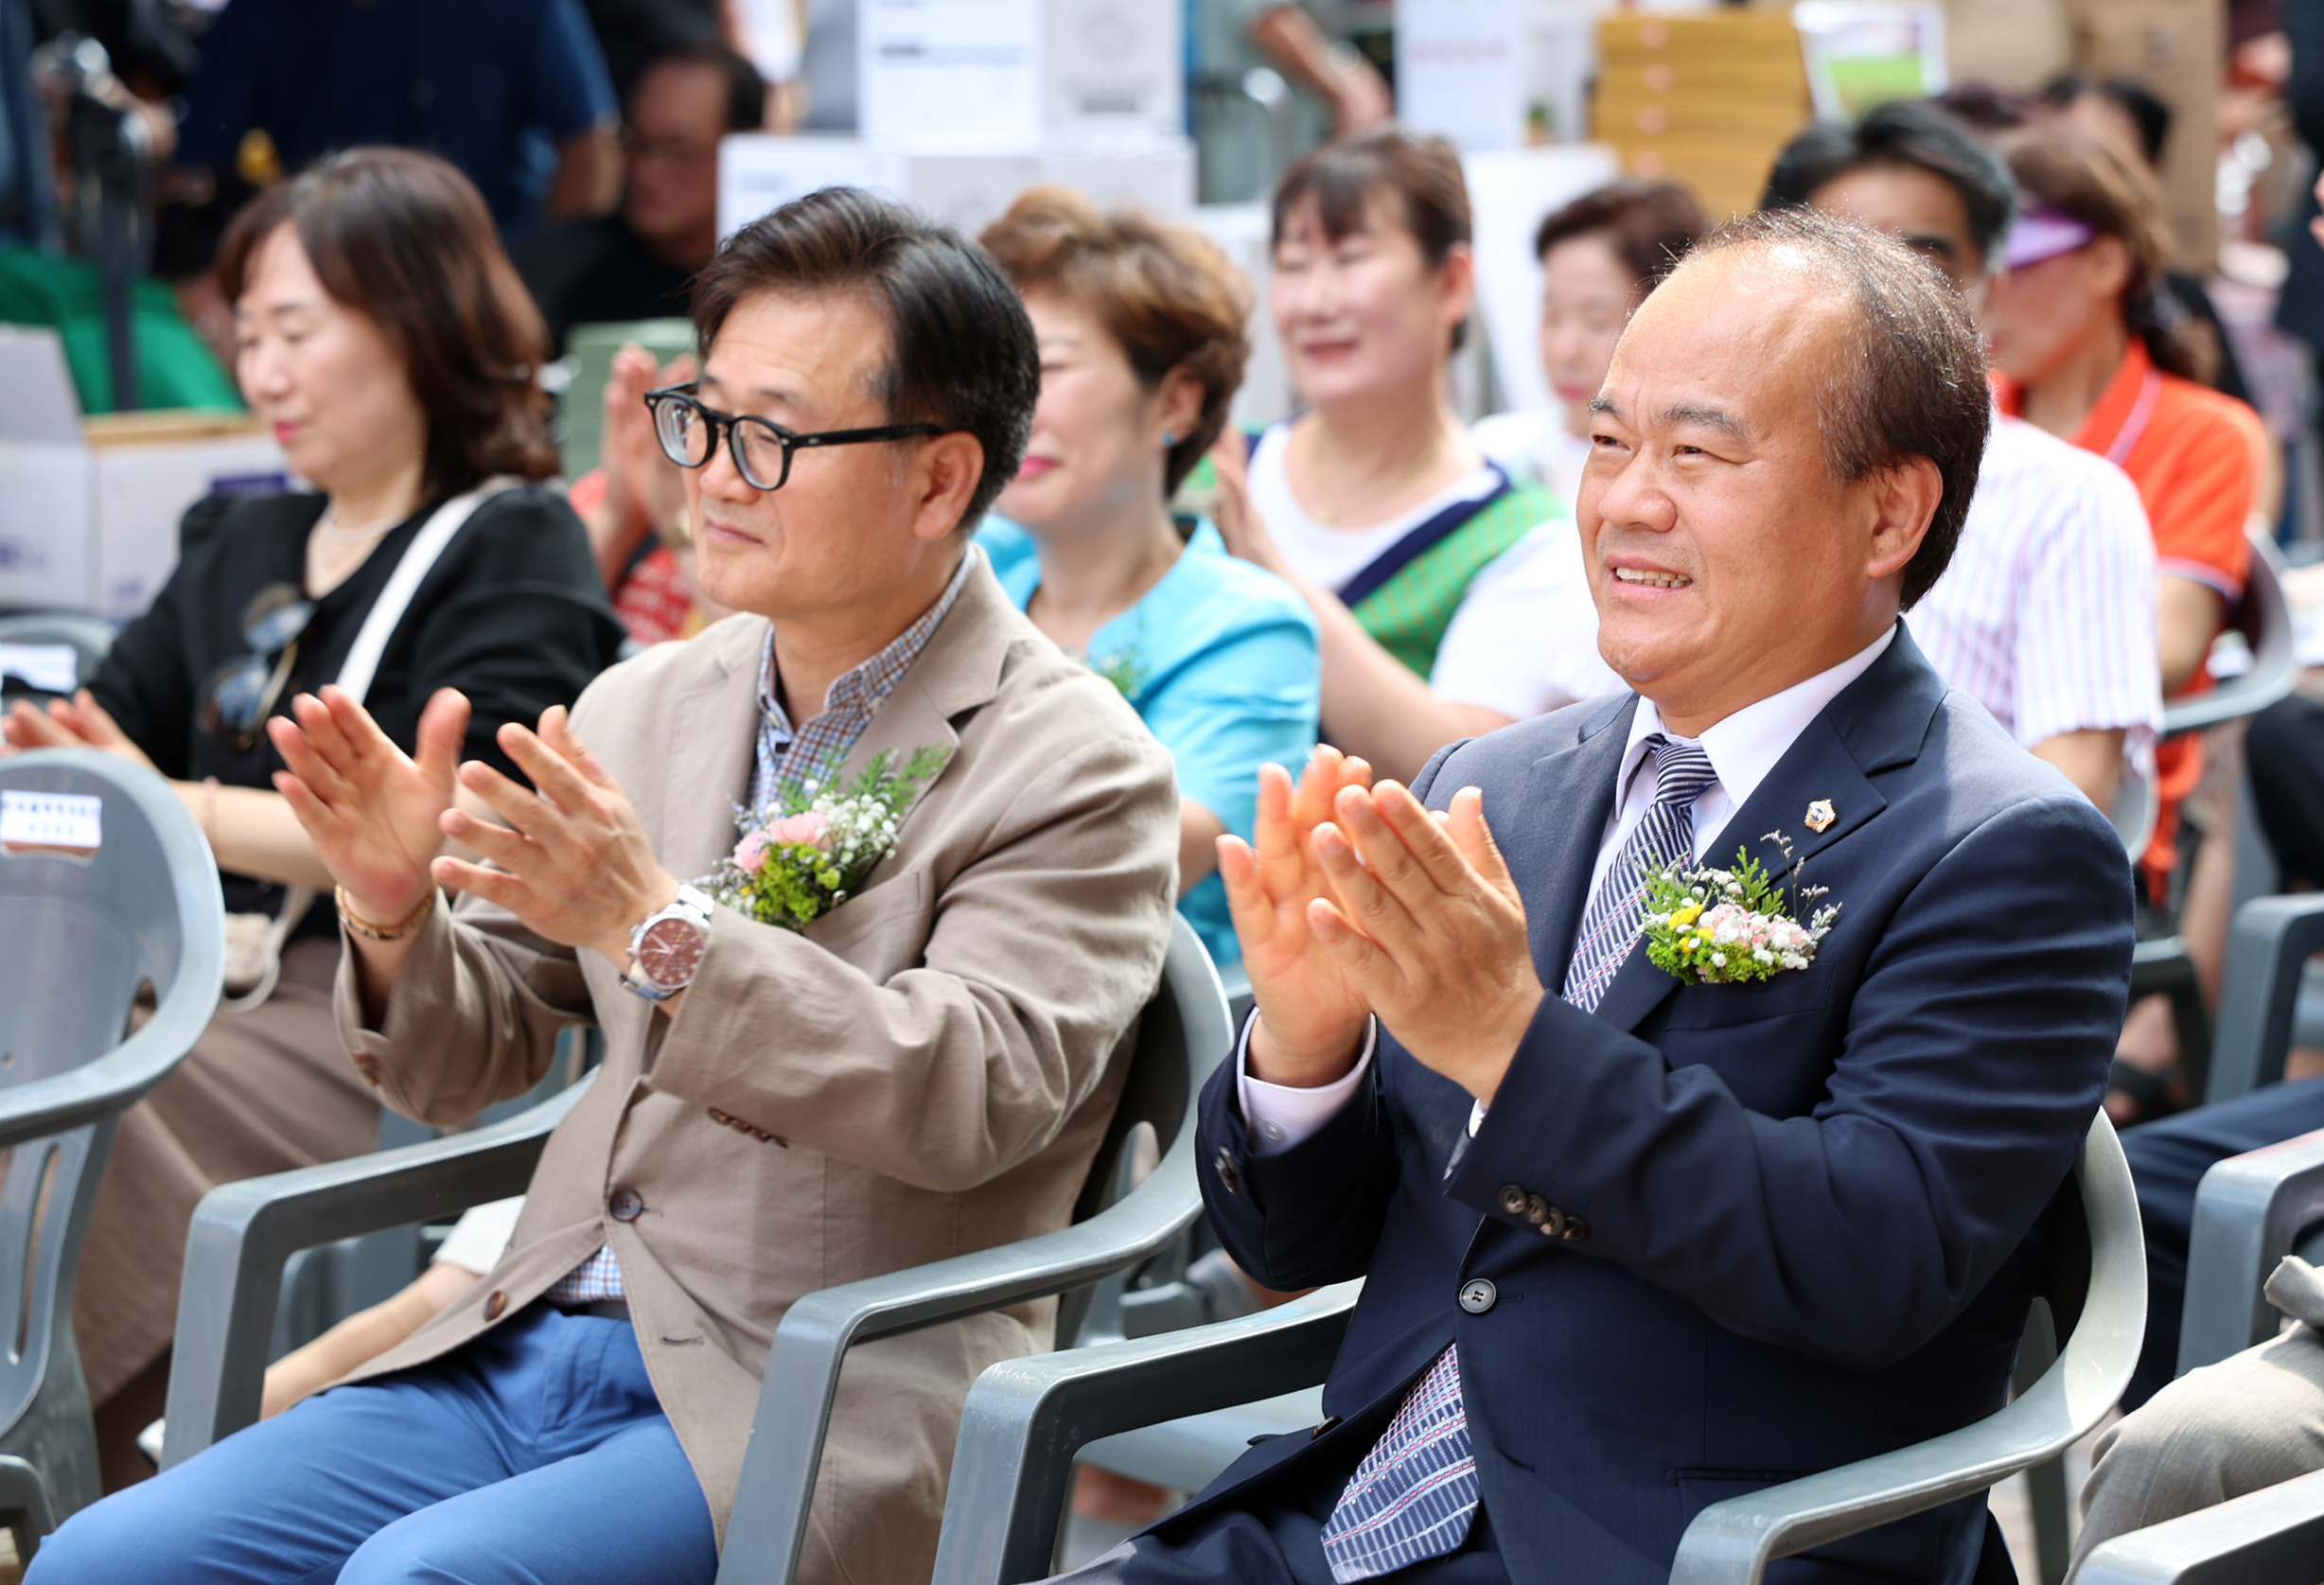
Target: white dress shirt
<point x="1742" y="749"/>
<point x="2046" y="614"/>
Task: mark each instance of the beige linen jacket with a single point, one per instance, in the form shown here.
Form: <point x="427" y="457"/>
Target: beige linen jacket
<point x="926" y="1070"/>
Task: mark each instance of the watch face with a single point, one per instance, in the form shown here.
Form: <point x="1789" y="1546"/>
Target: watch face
<point x="670" y="951"/>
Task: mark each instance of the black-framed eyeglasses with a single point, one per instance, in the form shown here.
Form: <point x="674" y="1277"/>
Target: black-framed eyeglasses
<point x="240" y="693"/>
<point x="761" y="449"/>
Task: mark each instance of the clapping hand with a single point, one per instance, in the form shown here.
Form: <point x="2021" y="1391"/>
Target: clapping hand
<point x="78" y="722"/>
<point x="1428" y="927"/>
<point x="374" y="813"/>
<point x="1310" y="1013"/>
<point x="573" y="863"/>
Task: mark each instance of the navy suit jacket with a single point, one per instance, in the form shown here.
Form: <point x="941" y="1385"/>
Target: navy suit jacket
<point x="1792" y="1223"/>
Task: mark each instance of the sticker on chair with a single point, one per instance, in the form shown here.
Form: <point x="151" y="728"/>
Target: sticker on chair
<point x="51" y="826"/>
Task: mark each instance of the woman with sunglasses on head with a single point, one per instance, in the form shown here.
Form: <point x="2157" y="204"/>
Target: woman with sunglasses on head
<point x="386" y="341"/>
<point x="1432" y="575"/>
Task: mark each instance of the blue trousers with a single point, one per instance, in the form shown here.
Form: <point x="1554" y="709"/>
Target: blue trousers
<point x="2167" y="1162"/>
<point x="535" y="1455"/>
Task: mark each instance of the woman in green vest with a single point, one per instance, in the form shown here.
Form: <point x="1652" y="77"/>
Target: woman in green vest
<point x="1436" y="581"/>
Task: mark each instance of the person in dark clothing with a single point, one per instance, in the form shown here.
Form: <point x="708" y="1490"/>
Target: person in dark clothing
<point x="637" y="262"/>
<point x="384" y="339"/>
<point x="513" y="92"/>
<point x="2120" y="111"/>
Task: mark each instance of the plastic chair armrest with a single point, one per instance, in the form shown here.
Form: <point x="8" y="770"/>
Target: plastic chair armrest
<point x="1027" y="1418"/>
<point x="2249" y="1211"/>
<point x="1732" y="1542"/>
<point x="771" y="1504"/>
<point x="2271" y="1537"/>
<point x="242" y="1233"/>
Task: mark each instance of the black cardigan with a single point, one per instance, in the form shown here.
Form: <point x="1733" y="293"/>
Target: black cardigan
<point x="513" y="614"/>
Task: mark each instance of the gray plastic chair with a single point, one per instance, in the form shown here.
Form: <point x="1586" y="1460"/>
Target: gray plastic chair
<point x="244" y="1233"/>
<point x="82" y="938"/>
<point x="2273" y="1537"/>
<point x="2270" y="946"/>
<point x="2265" y="619"/>
<point x="90" y="639"/>
<point x="2162" y="966"/>
<point x="2250" y="1212"/>
<point x="1027" y="1418"/>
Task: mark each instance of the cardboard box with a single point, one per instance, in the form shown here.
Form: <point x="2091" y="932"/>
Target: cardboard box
<point x="758" y="172"/>
<point x="1707" y="99"/>
<point x="89" y="510"/>
<point x="2178" y="49"/>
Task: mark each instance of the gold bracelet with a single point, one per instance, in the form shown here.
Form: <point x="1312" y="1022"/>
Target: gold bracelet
<point x="371" y="932"/>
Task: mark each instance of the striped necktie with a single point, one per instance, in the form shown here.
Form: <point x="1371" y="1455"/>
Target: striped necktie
<point x="1414" y="1495"/>
<point x="1609" y="924"/>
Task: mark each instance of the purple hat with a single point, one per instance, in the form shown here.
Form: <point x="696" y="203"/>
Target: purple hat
<point x="2044" y="232"/>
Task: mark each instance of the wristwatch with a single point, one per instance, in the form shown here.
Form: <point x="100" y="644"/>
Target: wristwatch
<point x="667" y="948"/>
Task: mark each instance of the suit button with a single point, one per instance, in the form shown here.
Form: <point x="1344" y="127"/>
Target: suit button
<point x="1513" y="1199"/>
<point x="1537" y="1210"/>
<point x="1477" y="1295"/>
<point x="496" y="1306"/>
<point x="625" y="1205"/>
<point x="1576" y="1230"/>
<point x="1553" y="1224"/>
<point x="1224" y="1164"/>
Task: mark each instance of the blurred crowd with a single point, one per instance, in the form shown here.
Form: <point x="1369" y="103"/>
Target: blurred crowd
<point x="388" y="219"/>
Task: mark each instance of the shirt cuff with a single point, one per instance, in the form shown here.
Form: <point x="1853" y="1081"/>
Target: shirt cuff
<point x="1282" y="1115"/>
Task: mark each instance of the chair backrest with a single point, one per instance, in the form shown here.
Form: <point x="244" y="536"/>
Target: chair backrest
<point x="1182" y="1034"/>
<point x="82" y="638"/>
<point x="2272" y="940"/>
<point x="2252" y="1210"/>
<point x="83" y="932"/>
<point x="2265" y="619"/>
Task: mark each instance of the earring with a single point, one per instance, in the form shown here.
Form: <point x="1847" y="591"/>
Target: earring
<point x="1170" y="438"/>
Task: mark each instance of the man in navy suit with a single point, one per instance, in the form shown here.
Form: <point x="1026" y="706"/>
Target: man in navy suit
<point x="1633" y="1245"/>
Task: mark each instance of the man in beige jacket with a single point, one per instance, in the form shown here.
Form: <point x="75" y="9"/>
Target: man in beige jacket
<point x="922" y="1070"/>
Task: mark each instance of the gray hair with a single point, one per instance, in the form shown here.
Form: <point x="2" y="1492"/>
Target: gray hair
<point x="1909" y="377"/>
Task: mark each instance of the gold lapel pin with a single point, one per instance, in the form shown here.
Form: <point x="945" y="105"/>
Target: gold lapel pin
<point x="1821" y="814"/>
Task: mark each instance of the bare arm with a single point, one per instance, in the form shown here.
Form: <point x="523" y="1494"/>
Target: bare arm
<point x="360" y="1338"/>
<point x="1355" y="90"/>
<point x="2092" y="761"/>
<point x="589" y="175"/>
<point x="2190" y="617"/>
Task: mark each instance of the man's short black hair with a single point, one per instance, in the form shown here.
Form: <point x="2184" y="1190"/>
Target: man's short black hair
<point x="746" y="89"/>
<point x="1901" y="132"/>
<point x="1909" y="381"/>
<point x="2133" y="98"/>
<point x="961" y="351"/>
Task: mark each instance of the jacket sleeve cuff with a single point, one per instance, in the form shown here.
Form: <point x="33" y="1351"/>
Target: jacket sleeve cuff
<point x="1281" y="1116"/>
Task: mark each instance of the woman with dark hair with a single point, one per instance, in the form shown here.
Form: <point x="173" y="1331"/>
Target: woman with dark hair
<point x="386" y="341"/>
<point x="1142" y="349"/>
<point x="1422" y="560"/>
<point x="1601" y="256"/>
<point x="2084" y="350"/>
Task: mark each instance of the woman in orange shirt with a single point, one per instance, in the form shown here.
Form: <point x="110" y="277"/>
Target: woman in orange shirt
<point x="2085" y="347"/>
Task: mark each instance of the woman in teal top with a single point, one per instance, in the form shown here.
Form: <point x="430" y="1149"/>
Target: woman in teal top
<point x="1142" y="349"/>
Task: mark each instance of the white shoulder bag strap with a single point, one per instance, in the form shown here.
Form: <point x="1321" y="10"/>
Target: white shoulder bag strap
<point x="356" y="675"/>
<point x="419" y="558"/>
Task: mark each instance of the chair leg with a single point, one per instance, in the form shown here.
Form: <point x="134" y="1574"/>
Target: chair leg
<point x="2052" y="1541"/>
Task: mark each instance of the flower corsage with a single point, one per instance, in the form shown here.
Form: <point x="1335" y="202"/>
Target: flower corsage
<point x="1730" y="927"/>
<point x="806" y="850"/>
